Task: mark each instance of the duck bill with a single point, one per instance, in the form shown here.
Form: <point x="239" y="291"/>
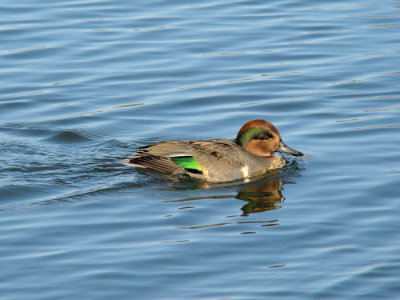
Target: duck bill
<point x="283" y="148"/>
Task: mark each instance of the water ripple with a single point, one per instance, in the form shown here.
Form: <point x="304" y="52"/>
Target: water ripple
<point x="84" y="83"/>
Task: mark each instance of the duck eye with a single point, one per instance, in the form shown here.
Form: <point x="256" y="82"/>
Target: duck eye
<point x="263" y="137"/>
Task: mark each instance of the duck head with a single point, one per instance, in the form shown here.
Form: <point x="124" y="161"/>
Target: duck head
<point x="261" y="138"/>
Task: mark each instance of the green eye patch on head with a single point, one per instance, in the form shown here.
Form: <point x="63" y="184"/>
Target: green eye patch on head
<point x="251" y="134"/>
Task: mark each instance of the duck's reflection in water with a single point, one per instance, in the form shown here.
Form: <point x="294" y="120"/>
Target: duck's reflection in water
<point x="260" y="196"/>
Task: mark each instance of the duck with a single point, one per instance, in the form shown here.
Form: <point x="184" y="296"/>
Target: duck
<point x="251" y="153"/>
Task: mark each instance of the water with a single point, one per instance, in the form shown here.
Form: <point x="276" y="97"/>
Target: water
<point x="84" y="83"/>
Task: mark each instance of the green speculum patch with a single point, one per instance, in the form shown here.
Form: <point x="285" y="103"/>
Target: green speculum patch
<point x="189" y="163"/>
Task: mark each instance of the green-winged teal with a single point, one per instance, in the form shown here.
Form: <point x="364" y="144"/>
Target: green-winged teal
<point x="218" y="160"/>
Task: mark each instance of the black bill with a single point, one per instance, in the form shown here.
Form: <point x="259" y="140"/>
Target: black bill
<point x="286" y="149"/>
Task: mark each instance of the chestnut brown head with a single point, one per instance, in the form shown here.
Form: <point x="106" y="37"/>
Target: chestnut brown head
<point x="262" y="138"/>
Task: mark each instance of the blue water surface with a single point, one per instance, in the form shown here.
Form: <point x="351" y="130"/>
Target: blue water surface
<point x="84" y="83"/>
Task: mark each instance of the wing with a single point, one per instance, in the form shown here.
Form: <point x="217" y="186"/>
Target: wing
<point x="206" y="159"/>
<point x="222" y="150"/>
<point x="158" y="163"/>
<point x="171" y="156"/>
<point x="166" y="149"/>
